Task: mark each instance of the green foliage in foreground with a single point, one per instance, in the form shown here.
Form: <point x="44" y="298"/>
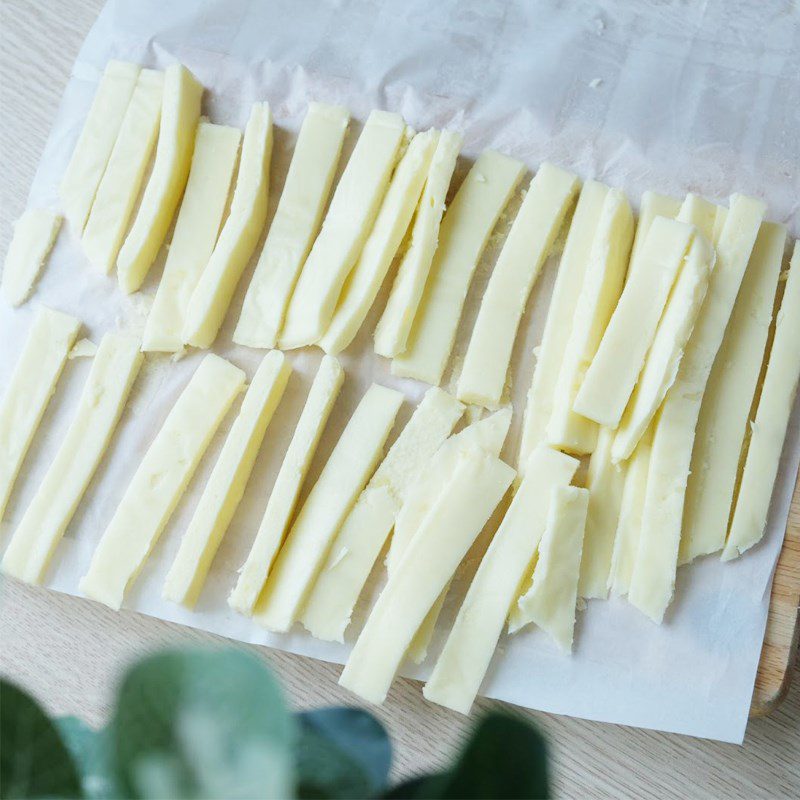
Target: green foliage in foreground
<point x="209" y="724"/>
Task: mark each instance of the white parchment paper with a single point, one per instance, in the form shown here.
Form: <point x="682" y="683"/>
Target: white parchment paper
<point x="667" y="96"/>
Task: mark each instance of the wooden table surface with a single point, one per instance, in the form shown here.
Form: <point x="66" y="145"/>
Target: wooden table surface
<point x="69" y="651"/>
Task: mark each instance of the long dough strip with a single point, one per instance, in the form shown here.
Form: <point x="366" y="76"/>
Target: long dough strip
<point x="180" y="112"/>
<point x="468" y="499"/>
<point x="465" y="231"/>
<point x="344" y="476"/>
<point x="122" y="181"/>
<point x="365" y="280"/>
<point x="90" y="156"/>
<point x="160" y="480"/>
<point x="29" y="391"/>
<point x="294" y="226"/>
<point x="215" y="151"/>
<point x="550" y="195"/>
<point x="346" y="226"/>
<point x="237" y="242"/>
<point x="463" y="662"/>
<point x="228" y="480"/>
<point x="280" y="506"/>
<point x="114" y="369"/>
<point x="770" y="424"/>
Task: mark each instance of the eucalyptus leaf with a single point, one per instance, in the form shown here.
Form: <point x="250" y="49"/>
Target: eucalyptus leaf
<point x="199" y="723"/>
<point x="34" y="761"/>
<point x="342" y="753"/>
<point x="505" y="757"/>
<point x="91" y="752"/>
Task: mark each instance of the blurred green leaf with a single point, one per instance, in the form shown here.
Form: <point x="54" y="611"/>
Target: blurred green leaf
<point x="198" y="723"/>
<point x="505" y="757"/>
<point x="34" y="762"/>
<point x="91" y="752"/>
<point x="342" y="753"/>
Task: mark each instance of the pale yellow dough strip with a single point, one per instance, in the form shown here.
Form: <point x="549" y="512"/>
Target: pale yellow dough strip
<point x="35" y="234"/>
<point x="114" y="370"/>
<point x="237" y="242"/>
<point x="549" y="197"/>
<point x="294" y="226"/>
<point x="674" y="329"/>
<point x="569" y="280"/>
<point x="180" y="112"/>
<point x="653" y="579"/>
<point x="122" y="181"/>
<point x="90" y="156"/>
<point x="280" y="506"/>
<point x="29" y="391"/>
<point x="228" y="480"/>
<point x="606" y="480"/>
<point x="460" y="669"/>
<point x="728" y="398"/>
<point x="770" y="424"/>
<point x="602" y="283"/>
<point x="629" y="520"/>
<point x="364" y="532"/>
<point x="488" y="435"/>
<point x="214" y="158"/>
<point x="394" y="327"/>
<point x="345" y="228"/>
<point x="465" y="231"/>
<point x="363" y="283"/>
<point x="160" y="480"/>
<point x="551" y="600"/>
<point x="344" y="476"/>
<point x="469" y="497"/>
<point x="613" y="373"/>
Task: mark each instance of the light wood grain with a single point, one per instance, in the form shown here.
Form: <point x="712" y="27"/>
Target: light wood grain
<point x="69" y="652"/>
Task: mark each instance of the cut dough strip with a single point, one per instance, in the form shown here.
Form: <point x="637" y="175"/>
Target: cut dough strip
<point x="653" y="580"/>
<point x="294" y="226"/>
<point x="468" y="499"/>
<point x="394" y="327"/>
<point x="363" y="283"/>
<point x="463" y="662"/>
<point x="488" y="435"/>
<point x="196" y="230"/>
<point x="29" y="391"/>
<point x="114" y="370"/>
<point x="607" y="480"/>
<point x="768" y="430"/>
<point x="364" y="532"/>
<point x="615" y="368"/>
<point x="160" y="480"/>
<point x="728" y="398"/>
<point x="348" y="469"/>
<point x="674" y="329"/>
<point x="180" y="112"/>
<point x="550" y="602"/>
<point x="550" y="195"/>
<point x="346" y="226"/>
<point x="464" y="234"/>
<point x="236" y="244"/>
<point x="35" y="234"/>
<point x="599" y="293"/>
<point x="122" y="181"/>
<point x="225" y="487"/>
<point x="280" y="507"/>
<point x="571" y="270"/>
<point x="88" y="163"/>
<point x="631" y="510"/>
